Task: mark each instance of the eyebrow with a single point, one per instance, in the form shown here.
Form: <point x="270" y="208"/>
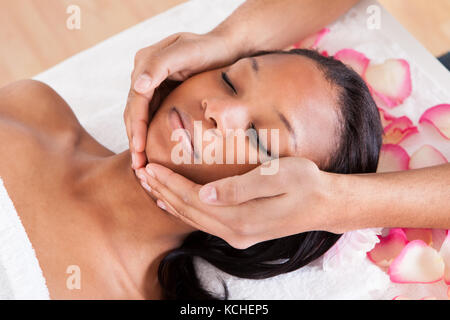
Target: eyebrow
<point x="288" y="126"/>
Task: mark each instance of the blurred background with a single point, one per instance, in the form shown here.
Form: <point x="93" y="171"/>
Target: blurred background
<point x="34" y="35"/>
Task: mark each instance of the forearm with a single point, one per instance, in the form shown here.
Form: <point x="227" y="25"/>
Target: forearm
<point x="410" y="199"/>
<point x="276" y="24"/>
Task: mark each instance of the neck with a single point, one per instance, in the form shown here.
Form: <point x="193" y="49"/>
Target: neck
<point x="138" y="232"/>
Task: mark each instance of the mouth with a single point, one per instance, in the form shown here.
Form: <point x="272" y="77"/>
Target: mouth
<point x="179" y="120"/>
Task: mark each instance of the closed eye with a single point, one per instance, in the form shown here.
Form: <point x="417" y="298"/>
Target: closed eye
<point x="227" y="80"/>
<point x="258" y="142"/>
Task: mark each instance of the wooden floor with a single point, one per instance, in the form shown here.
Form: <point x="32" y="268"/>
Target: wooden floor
<point x="34" y="35"/>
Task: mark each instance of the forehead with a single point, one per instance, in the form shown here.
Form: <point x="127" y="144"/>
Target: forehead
<point x="296" y="88"/>
<point x="290" y="79"/>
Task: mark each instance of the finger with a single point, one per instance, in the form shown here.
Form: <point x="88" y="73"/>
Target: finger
<point x="179" y="185"/>
<point x="180" y="194"/>
<point x="139" y="160"/>
<point x="145" y="186"/>
<point x="239" y="189"/>
<point x="164" y="205"/>
<point x="139" y="101"/>
<point x="194" y="217"/>
<point x="139" y="98"/>
<point x="168" y="62"/>
<point x="138" y="114"/>
<point x="239" y="233"/>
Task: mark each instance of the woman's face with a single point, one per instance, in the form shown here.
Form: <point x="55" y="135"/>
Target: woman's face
<point x="276" y="91"/>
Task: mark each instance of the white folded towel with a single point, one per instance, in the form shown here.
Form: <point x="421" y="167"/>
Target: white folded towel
<point x="20" y="274"/>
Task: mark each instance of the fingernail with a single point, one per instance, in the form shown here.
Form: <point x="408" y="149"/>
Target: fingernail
<point x="143" y="83"/>
<point x="161" y="204"/>
<point x="140" y="175"/>
<point x="149" y="171"/>
<point x="146" y="186"/>
<point x="208" y="194"/>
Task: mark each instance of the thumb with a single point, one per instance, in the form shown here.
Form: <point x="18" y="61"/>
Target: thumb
<point x="239" y="189"/>
<point x="171" y="63"/>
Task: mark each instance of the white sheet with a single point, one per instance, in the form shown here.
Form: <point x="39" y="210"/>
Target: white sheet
<point x="20" y="274"/>
<point x="95" y="84"/>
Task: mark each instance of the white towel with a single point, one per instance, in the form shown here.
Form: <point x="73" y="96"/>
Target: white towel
<point x="20" y="274"/>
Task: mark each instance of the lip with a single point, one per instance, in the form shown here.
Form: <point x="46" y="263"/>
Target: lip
<point x="180" y="120"/>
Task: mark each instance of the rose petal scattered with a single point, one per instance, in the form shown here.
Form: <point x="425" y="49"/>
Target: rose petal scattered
<point x="312" y="41"/>
<point x="419" y="234"/>
<point x="398" y="130"/>
<point x="354" y="59"/>
<point x="417" y="263"/>
<point x="386" y="118"/>
<point x="392" y="158"/>
<point x="439" y="117"/>
<point x="388" y="248"/>
<point x="426" y="156"/>
<point x="438" y="237"/>
<point x="390" y="81"/>
<point x="445" y="254"/>
<point x="400" y="297"/>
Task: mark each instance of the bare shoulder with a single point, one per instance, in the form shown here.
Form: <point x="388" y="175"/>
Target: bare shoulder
<point x="36" y="125"/>
<point x="36" y="105"/>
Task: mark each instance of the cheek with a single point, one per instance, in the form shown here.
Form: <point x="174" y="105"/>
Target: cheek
<point x="159" y="149"/>
<point x="215" y="164"/>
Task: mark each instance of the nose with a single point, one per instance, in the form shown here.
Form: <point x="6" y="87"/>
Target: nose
<point x="225" y="114"/>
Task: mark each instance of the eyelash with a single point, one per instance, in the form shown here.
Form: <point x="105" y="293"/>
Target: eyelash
<point x="228" y="82"/>
<point x="252" y="126"/>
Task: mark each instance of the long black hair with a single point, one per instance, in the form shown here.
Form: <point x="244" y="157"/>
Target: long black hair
<point x="360" y="138"/>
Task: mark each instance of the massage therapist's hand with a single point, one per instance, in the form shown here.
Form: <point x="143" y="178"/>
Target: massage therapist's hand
<point x="244" y="210"/>
<point x="176" y="57"/>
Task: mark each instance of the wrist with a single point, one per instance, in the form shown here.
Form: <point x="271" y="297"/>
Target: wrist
<point x="341" y="203"/>
<point x="236" y="43"/>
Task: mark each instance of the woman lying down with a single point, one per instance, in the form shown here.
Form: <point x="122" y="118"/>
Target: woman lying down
<point x="82" y="205"/>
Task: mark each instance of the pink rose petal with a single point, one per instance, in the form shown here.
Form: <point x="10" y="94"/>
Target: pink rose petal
<point x="439" y="117"/>
<point x="390" y="81"/>
<point x="400" y="297"/>
<point x="386" y="118"/>
<point x="388" y="248"/>
<point x="312" y="41"/>
<point x="418" y="234"/>
<point x="392" y="158"/>
<point x="398" y="130"/>
<point x="438" y="237"/>
<point x="426" y="156"/>
<point x="445" y="254"/>
<point x="417" y="263"/>
<point x="354" y="59"/>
